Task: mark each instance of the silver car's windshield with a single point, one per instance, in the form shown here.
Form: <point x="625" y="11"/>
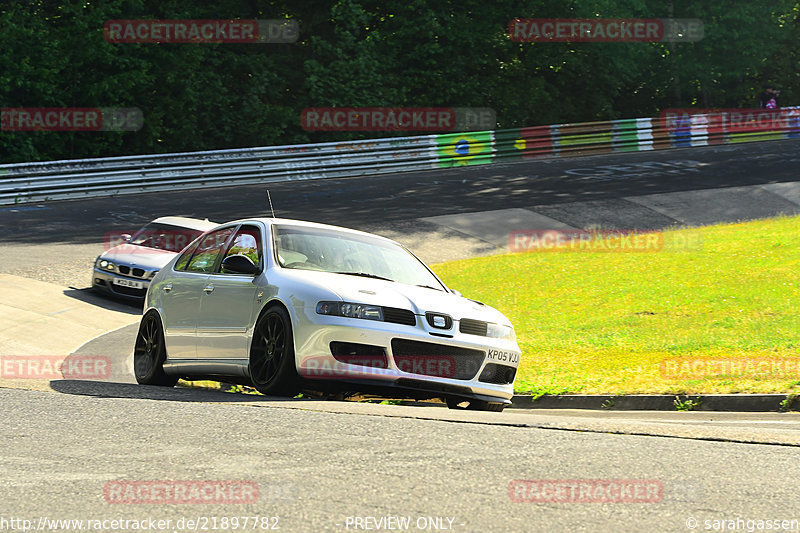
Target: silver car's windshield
<point x="165" y="236"/>
<point x="356" y="255"/>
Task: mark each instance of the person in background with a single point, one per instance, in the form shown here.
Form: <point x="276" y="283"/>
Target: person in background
<point x="769" y="98"/>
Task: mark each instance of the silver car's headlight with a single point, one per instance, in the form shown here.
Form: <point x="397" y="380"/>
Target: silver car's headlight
<point x="105" y="264"/>
<point x="499" y="331"/>
<point x="351" y="310"/>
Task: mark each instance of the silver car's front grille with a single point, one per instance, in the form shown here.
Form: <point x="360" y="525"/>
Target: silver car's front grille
<point x="439" y="360"/>
<point x="399" y="316"/>
<point x="125" y="270"/>
<point x="473" y="327"/>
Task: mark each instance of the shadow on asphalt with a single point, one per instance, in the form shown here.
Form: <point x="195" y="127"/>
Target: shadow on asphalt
<point x="100" y="389"/>
<point x="104" y="389"/>
<point x="89" y="296"/>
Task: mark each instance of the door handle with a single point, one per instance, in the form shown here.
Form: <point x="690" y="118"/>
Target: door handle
<point x="208" y="289"/>
<point x="167" y="287"/>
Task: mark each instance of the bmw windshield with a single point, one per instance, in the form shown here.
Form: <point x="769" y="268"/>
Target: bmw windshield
<point x="322" y="250"/>
<point x="165" y="236"/>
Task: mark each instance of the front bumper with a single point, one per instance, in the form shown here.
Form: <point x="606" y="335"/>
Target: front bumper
<point x="103" y="281"/>
<point x="385" y="354"/>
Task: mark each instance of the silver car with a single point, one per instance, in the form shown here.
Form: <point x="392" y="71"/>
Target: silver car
<point x="287" y="305"/>
<point x="130" y="262"/>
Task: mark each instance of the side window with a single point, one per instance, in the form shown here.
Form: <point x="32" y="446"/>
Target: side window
<point x="246" y="242"/>
<point x="208" y="251"/>
<point x="181" y="263"/>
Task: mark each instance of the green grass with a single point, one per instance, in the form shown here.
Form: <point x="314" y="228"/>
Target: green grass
<point x="591" y="322"/>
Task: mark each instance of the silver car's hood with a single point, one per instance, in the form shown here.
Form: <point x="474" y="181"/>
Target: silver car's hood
<point x="141" y="256"/>
<point x="358" y="289"/>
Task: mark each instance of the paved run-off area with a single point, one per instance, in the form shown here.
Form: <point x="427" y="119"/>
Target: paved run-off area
<point x="320" y="465"/>
<point x="317" y="465"/>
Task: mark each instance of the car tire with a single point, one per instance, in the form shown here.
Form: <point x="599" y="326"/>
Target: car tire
<point x="150" y="352"/>
<point x="272" y="366"/>
<point x="474" y="405"/>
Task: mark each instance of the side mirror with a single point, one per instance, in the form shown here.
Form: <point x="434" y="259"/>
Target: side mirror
<point x="126" y="237"/>
<point x="240" y="264"/>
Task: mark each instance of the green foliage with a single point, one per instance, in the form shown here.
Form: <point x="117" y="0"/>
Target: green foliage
<point x="392" y="402"/>
<point x="787" y="403"/>
<point x="242" y="389"/>
<point x="686" y="405"/>
<point x="365" y="53"/>
<point x="608" y="403"/>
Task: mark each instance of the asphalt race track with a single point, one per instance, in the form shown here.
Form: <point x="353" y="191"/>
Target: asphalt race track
<point x="367" y="202"/>
<point x="316" y="469"/>
<point x="342" y="466"/>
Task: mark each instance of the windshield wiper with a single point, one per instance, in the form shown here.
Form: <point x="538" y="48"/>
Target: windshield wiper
<point x="429" y="287"/>
<point x="364" y="275"/>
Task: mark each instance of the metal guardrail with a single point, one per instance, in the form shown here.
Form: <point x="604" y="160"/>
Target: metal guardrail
<point x="87" y="178"/>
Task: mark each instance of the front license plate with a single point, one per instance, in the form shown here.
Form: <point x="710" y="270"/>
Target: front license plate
<point x="502" y="356"/>
<point x="128" y="283"/>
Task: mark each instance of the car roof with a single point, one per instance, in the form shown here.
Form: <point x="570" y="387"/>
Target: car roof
<point x="186" y="222"/>
<point x="268" y="221"/>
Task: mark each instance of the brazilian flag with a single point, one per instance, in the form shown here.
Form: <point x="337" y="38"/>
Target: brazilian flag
<point x="460" y="149"/>
<point x="509" y="144"/>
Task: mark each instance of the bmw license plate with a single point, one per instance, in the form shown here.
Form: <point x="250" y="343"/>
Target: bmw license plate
<point x="128" y="283"/>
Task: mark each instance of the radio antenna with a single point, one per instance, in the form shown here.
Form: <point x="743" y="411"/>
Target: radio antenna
<point x="269" y="197"/>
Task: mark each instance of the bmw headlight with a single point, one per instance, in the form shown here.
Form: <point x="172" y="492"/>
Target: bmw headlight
<point x="104" y="264"/>
<point x="499" y="331"/>
<point x="351" y="310"/>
